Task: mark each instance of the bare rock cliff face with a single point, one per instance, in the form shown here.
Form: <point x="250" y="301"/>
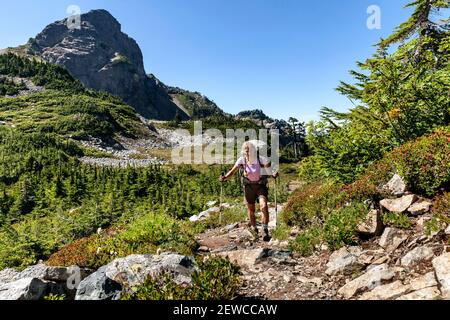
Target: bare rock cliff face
<point x="104" y="58"/>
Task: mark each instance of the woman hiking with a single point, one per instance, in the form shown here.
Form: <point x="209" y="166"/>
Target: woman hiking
<point x="255" y="185"/>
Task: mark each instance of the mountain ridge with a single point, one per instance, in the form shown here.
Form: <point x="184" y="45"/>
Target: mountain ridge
<point x="104" y="58"/>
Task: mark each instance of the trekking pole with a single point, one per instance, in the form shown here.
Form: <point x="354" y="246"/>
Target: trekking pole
<point x="222" y="175"/>
<point x="276" y="203"/>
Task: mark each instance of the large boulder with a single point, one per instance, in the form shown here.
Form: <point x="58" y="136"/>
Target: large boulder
<point x="8" y="275"/>
<point x="370" y="280"/>
<point x="441" y="266"/>
<point x="23" y="289"/>
<point x="417" y="255"/>
<point x="396" y="186"/>
<point x="58" y="280"/>
<point x="50" y="273"/>
<point x="108" y="282"/>
<point x="98" y="287"/>
<point x="134" y="269"/>
<point x="392" y="238"/>
<point x="398" y="205"/>
<point x="344" y="260"/>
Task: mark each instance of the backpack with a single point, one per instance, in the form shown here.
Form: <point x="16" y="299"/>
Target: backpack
<point x="244" y="180"/>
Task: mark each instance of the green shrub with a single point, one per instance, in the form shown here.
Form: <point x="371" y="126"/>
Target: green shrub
<point x="339" y="227"/>
<point x="55" y="297"/>
<point x="425" y="163"/>
<point x="218" y="279"/>
<point x="311" y="203"/>
<point x="305" y="242"/>
<point x="310" y="170"/>
<point x="143" y="236"/>
<point x="398" y="220"/>
<point x="441" y="207"/>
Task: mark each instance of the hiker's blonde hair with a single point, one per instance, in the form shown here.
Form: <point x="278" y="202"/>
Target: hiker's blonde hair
<point x="252" y="152"/>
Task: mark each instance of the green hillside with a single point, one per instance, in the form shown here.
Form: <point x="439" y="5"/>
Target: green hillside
<point x="64" y="107"/>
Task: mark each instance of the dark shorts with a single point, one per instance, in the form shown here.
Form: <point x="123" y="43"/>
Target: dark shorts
<point x="255" y="191"/>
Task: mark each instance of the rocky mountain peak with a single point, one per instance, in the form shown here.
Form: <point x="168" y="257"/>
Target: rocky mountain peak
<point x="104" y="58"/>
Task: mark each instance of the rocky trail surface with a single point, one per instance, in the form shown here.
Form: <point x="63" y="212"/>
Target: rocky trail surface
<point x="269" y="269"/>
<point x="387" y="264"/>
<point x="398" y="265"/>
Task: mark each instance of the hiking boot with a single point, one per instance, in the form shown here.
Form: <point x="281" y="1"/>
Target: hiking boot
<point x="266" y="237"/>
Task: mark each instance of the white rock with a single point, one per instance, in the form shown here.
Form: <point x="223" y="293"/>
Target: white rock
<point x="417" y="255"/>
<point x="391" y="239"/>
<point x="396" y="186"/>
<point x="400" y="204"/>
<point x="447" y="231"/>
<point x="8" y="275"/>
<point x="430" y="293"/>
<point x="211" y="203"/>
<point x="134" y="269"/>
<point x="370" y="280"/>
<point x="419" y="207"/>
<point x="441" y="266"/>
<point x="386" y="292"/>
<point x="344" y="260"/>
<point x="426" y="281"/>
<point x="23" y="289"/>
<point x="194" y="218"/>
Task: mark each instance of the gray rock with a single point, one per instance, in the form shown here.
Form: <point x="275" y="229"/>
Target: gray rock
<point x="431" y="293"/>
<point x="417" y="255"/>
<point x="245" y="258"/>
<point x="98" y="286"/>
<point x="391" y="239"/>
<point x="56" y="274"/>
<point x="8" y="275"/>
<point x="386" y="292"/>
<point x="230" y="227"/>
<point x="400" y="204"/>
<point x="344" y="261"/>
<point x="372" y="226"/>
<point x="370" y="280"/>
<point x="441" y="266"/>
<point x="420" y="207"/>
<point x="135" y="269"/>
<point x="396" y="186"/>
<point x="23" y="289"/>
<point x="108" y="282"/>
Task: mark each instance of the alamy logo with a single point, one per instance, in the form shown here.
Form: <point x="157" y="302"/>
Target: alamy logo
<point x="74" y="20"/>
<point x="213" y="147"/>
<point x="374" y="20"/>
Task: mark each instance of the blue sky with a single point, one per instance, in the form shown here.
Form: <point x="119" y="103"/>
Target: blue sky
<point x="283" y="56"/>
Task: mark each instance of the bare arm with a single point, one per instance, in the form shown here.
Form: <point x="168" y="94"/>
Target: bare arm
<point x="231" y="172"/>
